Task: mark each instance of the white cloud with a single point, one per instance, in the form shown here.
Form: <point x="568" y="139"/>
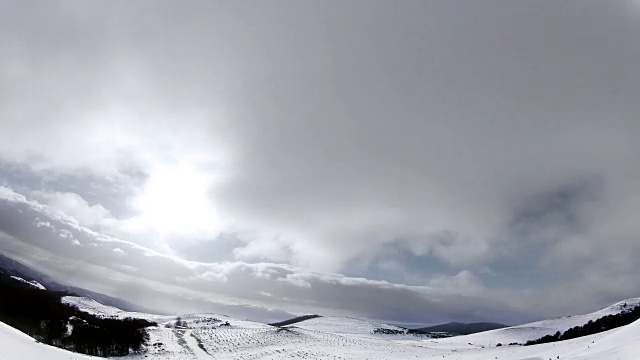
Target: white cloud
<point x="460" y="296"/>
<point x="292" y="288"/>
<point x="43" y="224"/>
<point x="73" y="205"/>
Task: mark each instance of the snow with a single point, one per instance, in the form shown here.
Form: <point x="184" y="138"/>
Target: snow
<point x="622" y="343"/>
<point x="339" y="338"/>
<point x="618" y="344"/>
<point x="96" y="308"/>
<point x="343" y="325"/>
<point x="538" y="329"/>
<point x="91" y="306"/>
<point x="16" y="345"/>
<point x="32" y="282"/>
<point x="193" y="320"/>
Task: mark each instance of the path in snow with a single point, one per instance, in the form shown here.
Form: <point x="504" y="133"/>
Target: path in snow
<point x="192" y="343"/>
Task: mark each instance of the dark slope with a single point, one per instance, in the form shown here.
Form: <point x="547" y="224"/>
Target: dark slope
<point x="295" y="320"/>
<point x="41" y="314"/>
<point x="10" y="267"/>
<point x="462" y="328"/>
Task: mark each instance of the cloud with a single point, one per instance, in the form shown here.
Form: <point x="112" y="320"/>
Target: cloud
<point x="407" y="144"/>
<point x="221" y="286"/>
<point x="73" y="205"/>
<point x="233" y="283"/>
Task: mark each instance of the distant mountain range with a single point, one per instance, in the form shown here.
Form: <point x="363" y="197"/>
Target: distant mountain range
<point x="462" y="328"/>
<point x="453" y="328"/>
<point x="11" y="267"/>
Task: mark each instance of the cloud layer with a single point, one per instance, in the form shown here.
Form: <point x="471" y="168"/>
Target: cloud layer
<point x="223" y="285"/>
<point x="300" y="155"/>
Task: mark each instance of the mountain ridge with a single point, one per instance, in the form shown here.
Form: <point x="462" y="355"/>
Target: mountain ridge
<point x="14" y="267"/>
<point x="462" y="328"/>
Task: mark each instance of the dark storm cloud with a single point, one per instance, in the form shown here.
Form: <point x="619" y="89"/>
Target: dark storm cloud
<point x="421" y="141"/>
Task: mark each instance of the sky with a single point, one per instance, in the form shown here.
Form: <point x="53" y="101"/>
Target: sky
<point x="413" y="162"/>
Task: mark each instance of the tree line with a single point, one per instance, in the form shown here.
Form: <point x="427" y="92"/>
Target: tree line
<point x="592" y="327"/>
<point x="42" y="315"/>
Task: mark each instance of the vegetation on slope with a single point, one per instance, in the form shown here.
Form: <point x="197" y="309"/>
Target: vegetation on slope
<point x="42" y="315"/>
<point x="592" y="327"/>
<point x="433" y="335"/>
<point x="388" y="331"/>
<point x="13" y="267"/>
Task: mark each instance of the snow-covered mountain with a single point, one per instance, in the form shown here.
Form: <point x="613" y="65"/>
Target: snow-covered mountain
<point x="209" y="336"/>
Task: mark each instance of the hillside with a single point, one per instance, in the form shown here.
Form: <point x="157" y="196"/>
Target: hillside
<point x="523" y="333"/>
<point x="294" y="320"/>
<point x="462" y="328"/>
<point x="345" y="325"/>
<point x="11" y="267"/>
<point x="43" y="315"/>
<point x="17" y="345"/>
<point x="33" y="283"/>
<point x="206" y="336"/>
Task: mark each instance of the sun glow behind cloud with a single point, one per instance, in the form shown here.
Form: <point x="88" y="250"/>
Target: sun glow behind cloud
<point x="175" y="201"/>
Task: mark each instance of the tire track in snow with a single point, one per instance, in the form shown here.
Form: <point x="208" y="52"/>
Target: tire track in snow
<point x="192" y="342"/>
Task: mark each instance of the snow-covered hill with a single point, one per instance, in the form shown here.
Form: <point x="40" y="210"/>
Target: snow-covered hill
<point x="92" y="306"/>
<point x="618" y="344"/>
<point x="344" y="325"/>
<point x="15" y="345"/>
<point x="191" y="320"/>
<point x="33" y="283"/>
<point x="538" y="329"/>
<point x="207" y="336"/>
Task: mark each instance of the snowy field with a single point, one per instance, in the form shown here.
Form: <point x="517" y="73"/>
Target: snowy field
<point x="206" y="336"/>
